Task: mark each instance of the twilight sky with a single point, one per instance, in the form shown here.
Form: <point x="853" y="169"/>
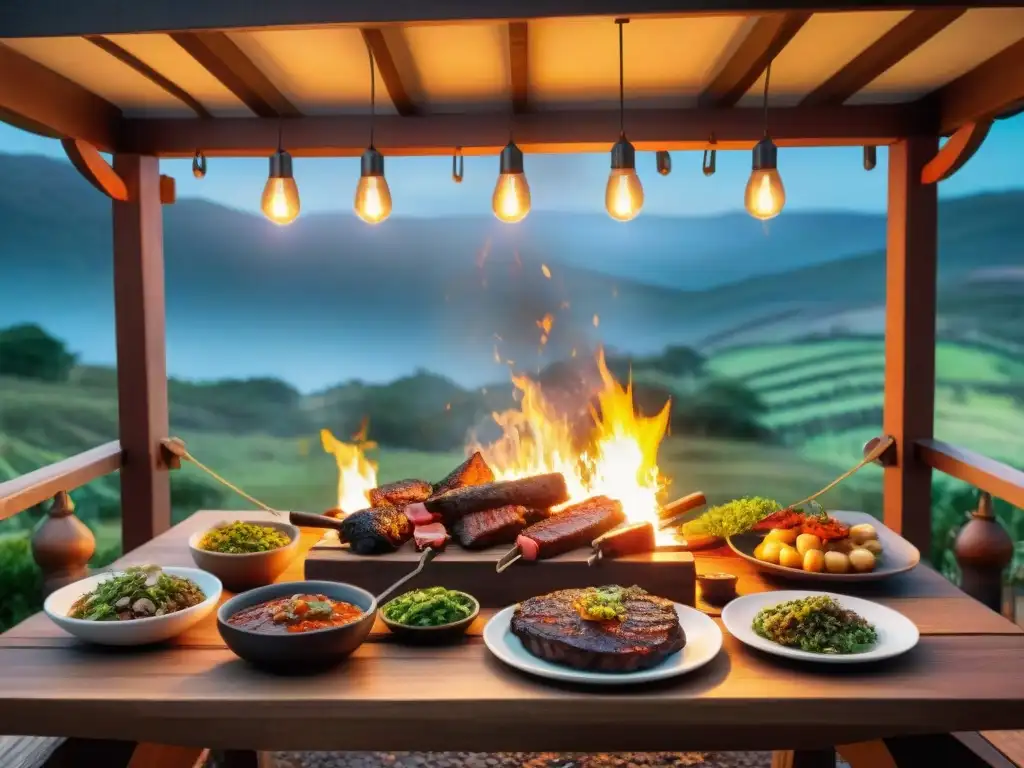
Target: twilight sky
<point x="827" y="178"/>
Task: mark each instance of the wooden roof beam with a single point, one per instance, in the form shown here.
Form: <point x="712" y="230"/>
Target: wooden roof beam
<point x="518" y="65"/>
<point x="568" y="131"/>
<point x="389" y="73"/>
<point x="989" y="90"/>
<point x="888" y="50"/>
<point x="769" y="35"/>
<point x="149" y="73"/>
<point x="37" y="99"/>
<point x="955" y="153"/>
<point x="42" y="18"/>
<point x="219" y="56"/>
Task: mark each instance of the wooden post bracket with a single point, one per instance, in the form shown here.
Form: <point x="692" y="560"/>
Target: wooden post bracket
<point x="98" y="172"/>
<point x="958" y="149"/>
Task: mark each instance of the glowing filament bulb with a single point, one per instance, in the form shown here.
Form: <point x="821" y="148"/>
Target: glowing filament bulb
<point x="765" y="195"/>
<point x="511" y="199"/>
<point x="280" y="202"/>
<point x="624" y="195"/>
<point x="373" y="196"/>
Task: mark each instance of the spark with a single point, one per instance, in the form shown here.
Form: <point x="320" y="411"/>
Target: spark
<point x="547" y="272"/>
<point x="597" y="321"/>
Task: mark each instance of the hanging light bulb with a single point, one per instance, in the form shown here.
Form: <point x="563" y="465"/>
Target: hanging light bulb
<point x="765" y="195"/>
<point x="373" y="197"/>
<point x="199" y="164"/>
<point x="624" y="194"/>
<point x="511" y="200"/>
<point x="280" y="201"/>
<point x="663" y="161"/>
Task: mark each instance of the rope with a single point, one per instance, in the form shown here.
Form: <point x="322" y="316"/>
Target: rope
<point x="180" y="451"/>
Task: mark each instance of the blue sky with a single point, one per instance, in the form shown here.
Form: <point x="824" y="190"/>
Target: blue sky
<point x="826" y="178"/>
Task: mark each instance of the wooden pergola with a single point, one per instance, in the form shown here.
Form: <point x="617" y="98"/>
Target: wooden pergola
<point x="150" y="80"/>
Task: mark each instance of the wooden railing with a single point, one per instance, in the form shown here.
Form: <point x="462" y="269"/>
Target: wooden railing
<point x="983" y="547"/>
<point x="61" y="544"/>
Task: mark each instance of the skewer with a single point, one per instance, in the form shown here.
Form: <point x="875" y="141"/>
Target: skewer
<point x="508" y="558"/>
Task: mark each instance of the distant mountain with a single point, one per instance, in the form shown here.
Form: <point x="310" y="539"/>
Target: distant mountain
<point x="330" y="299"/>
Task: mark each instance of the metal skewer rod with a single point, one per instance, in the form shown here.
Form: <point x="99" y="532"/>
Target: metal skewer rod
<point x="176" y="447"/>
<point x="508" y="558"/>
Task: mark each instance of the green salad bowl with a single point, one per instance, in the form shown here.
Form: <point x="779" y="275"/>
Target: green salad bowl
<point x="442" y="633"/>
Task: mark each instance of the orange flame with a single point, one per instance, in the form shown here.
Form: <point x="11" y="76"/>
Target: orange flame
<point x="356" y="473"/>
<point x="620" y="459"/>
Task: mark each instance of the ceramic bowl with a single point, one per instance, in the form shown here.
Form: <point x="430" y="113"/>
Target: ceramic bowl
<point x="442" y="633"/>
<point x="298" y="651"/>
<point x="136" y="631"/>
<point x="253" y="569"/>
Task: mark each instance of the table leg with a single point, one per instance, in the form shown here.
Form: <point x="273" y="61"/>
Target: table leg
<point x="818" y="758"/>
<point x="147" y="755"/>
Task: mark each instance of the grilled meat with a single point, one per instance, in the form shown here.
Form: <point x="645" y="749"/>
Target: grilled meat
<point x="573" y="527"/>
<point x="538" y="491"/>
<point x="631" y="539"/>
<point x="400" y="493"/>
<point x="552" y="628"/>
<point x="376" y="530"/>
<point x="479" y="530"/>
<point x="430" y="535"/>
<point x="473" y="471"/>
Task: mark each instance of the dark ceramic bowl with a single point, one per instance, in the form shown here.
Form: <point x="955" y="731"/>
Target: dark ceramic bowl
<point x="443" y="633"/>
<point x="298" y="651"/>
<point x="253" y="569"/>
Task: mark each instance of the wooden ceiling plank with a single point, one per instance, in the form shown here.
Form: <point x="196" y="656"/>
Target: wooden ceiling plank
<point x="891" y="48"/>
<point x="389" y="73"/>
<point x="48" y="18"/>
<point x="769" y="35"/>
<point x="518" y="65"/>
<point x="149" y="73"/>
<point x="38" y="99"/>
<point x="219" y="55"/>
<point x="557" y="131"/>
<point x="990" y="90"/>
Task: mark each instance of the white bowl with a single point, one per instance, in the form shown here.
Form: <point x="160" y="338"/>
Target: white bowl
<point x="135" y="631"/>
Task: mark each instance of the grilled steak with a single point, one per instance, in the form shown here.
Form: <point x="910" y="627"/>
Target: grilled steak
<point x="400" y="493"/>
<point x="573" y="527"/>
<point x="552" y="628"/>
<point x="473" y="471"/>
<point x="376" y="530"/>
<point x="479" y="530"/>
<point x="537" y="491"/>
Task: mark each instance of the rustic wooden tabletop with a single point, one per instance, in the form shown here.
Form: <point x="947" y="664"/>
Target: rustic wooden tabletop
<point x="967" y="673"/>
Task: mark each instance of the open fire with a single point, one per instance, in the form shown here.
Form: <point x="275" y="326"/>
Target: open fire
<point x="618" y="459"/>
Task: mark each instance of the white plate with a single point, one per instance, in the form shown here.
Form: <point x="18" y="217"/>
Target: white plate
<point x="703" y="642"/>
<point x="137" y="631"/>
<point x="898" y="554"/>
<point x="896" y="633"/>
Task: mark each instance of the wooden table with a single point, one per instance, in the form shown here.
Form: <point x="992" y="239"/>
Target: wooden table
<point x="967" y="674"/>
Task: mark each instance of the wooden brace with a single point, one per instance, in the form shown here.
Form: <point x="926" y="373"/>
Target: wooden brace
<point x="98" y="172"/>
<point x="960" y="148"/>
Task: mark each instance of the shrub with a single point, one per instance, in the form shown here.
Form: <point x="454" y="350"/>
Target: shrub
<point x="21" y="581"/>
<point x="31" y="353"/>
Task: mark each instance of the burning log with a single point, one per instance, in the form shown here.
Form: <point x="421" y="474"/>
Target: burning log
<point x="473" y="471"/>
<point x="400" y="493"/>
<point x="539" y="492"/>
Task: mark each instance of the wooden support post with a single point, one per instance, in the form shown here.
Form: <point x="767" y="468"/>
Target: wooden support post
<point x="141" y="361"/>
<point x="909" y="411"/>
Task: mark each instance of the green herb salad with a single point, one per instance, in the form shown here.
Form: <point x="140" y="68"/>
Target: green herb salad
<point x="817" y="624"/>
<point x="432" y="607"/>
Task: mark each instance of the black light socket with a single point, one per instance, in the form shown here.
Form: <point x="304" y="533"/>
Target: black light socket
<point x="623" y="155"/>
<point x="766" y="155"/>
<point x="372" y="163"/>
<point x="281" y="165"/>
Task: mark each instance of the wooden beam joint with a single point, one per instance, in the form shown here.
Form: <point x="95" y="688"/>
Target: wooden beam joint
<point x="954" y="154"/>
<point x="97" y="171"/>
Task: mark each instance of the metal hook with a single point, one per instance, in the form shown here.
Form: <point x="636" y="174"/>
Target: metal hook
<point x="664" y="161"/>
<point x="458" y="164"/>
<point x="199" y="164"/>
<point x="710" y="155"/>
<point x="870" y="158"/>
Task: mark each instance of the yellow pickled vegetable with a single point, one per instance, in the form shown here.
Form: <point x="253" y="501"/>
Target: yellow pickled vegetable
<point x="806" y="542"/>
<point x="814" y="561"/>
<point x="863" y="532"/>
<point x="770" y="551"/>
<point x="862" y="560"/>
<point x="783" y="535"/>
<point x="790" y="558"/>
<point x="837" y="562"/>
